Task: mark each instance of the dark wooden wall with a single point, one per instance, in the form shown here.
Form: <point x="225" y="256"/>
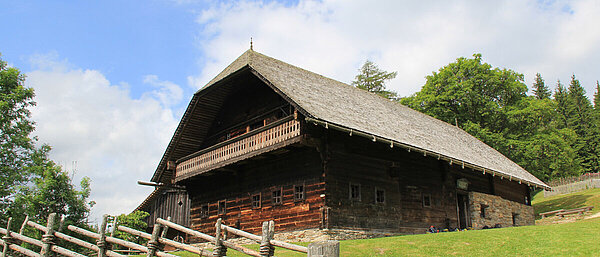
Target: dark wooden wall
<point x="170" y="203"/>
<point x="279" y="170"/>
<point x="248" y="104"/>
<point x="406" y="178"/>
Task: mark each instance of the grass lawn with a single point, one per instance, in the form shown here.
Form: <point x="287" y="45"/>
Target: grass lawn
<point x="581" y="238"/>
<point x="570" y="239"/>
<point x="590" y="197"/>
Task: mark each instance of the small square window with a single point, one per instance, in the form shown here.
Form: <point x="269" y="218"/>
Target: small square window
<point x="379" y="195"/>
<point x="204" y="211"/>
<point x="299" y="192"/>
<point x="483" y="211"/>
<point x="277" y="197"/>
<point x="426" y="200"/>
<point x="355" y="192"/>
<point x="221" y="208"/>
<point x="256" y="201"/>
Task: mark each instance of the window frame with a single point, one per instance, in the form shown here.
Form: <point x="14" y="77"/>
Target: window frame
<point x="427" y="195"/>
<point x="303" y="193"/>
<point x="223" y="210"/>
<point x="204" y="213"/>
<point x="376" y="196"/>
<point x="274" y="198"/>
<point x="359" y="195"/>
<point x="252" y="201"/>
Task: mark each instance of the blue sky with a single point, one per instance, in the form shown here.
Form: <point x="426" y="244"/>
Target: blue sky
<point x="125" y="40"/>
<point x="112" y="78"/>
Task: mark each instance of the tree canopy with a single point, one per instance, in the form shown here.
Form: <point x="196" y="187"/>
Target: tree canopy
<point x="30" y="183"/>
<point x="550" y="137"/>
<point x="373" y="79"/>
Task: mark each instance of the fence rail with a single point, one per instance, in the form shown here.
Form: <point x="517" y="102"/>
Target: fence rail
<point x="11" y="241"/>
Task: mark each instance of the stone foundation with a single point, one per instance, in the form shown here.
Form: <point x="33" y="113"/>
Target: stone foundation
<point x="498" y="211"/>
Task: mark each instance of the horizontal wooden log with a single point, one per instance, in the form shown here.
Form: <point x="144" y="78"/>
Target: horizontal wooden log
<point x="118" y="241"/>
<point x="54" y="248"/>
<point x="256" y="238"/>
<point x="73" y="240"/>
<point x="20" y="249"/>
<point x="206" y="237"/>
<point x="166" y="241"/>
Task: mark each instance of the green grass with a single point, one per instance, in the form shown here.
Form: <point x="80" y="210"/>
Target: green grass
<point x="569" y="239"/>
<point x="590" y="197"/>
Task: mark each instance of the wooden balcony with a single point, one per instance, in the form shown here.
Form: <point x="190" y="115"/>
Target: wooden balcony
<point x="268" y="138"/>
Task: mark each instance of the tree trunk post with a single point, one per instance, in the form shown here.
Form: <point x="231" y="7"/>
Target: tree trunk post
<point x="329" y="248"/>
<point x="48" y="238"/>
<point x="220" y="249"/>
<point x="101" y="243"/>
<point x="153" y="242"/>
<point x="7" y="239"/>
<point x="268" y="231"/>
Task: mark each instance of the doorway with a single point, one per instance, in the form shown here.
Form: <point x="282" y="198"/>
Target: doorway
<point x="462" y="202"/>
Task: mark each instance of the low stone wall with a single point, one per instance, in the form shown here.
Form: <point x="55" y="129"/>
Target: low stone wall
<point x="493" y="210"/>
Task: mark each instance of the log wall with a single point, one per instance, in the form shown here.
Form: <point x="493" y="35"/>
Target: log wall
<point x="407" y="178"/>
<point x="236" y="186"/>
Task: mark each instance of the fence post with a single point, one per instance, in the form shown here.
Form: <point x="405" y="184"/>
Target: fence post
<point x="153" y="242"/>
<point x="22" y="230"/>
<point x="101" y="243"/>
<point x="7" y="239"/>
<point x="48" y="238"/>
<point x="329" y="248"/>
<point x="220" y="249"/>
<point x="268" y="231"/>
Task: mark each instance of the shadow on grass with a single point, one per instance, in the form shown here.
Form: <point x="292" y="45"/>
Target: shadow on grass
<point x="566" y="203"/>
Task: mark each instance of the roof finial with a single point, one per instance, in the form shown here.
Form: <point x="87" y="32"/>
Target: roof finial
<point x="251" y="43"/>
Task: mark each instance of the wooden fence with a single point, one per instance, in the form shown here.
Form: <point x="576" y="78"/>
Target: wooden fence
<point x="573" y="184"/>
<point x="11" y="242"/>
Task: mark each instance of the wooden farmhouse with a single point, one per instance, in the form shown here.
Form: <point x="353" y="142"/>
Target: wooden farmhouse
<point x="266" y="140"/>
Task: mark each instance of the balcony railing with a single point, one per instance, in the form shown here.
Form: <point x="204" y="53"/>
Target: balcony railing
<point x="245" y="144"/>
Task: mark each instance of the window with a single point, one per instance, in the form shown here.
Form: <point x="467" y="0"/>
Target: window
<point x="221" y="208"/>
<point x="256" y="201"/>
<point x="515" y="219"/>
<point x="379" y="195"/>
<point x="355" y="192"/>
<point x="204" y="211"/>
<point x="426" y="200"/>
<point x="299" y="193"/>
<point x="483" y="211"/>
<point x="277" y="197"/>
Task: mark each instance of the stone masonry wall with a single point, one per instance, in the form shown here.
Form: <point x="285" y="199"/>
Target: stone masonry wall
<point x="497" y="210"/>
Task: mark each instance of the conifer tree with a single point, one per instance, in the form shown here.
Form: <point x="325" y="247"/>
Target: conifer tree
<point x="540" y="90"/>
<point x="560" y="96"/>
<point x="597" y="97"/>
<point x="373" y="79"/>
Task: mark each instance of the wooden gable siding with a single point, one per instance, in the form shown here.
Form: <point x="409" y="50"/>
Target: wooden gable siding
<point x="167" y="204"/>
<point x="250" y="104"/>
<point x="264" y="174"/>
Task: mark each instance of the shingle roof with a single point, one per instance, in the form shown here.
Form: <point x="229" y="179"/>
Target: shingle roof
<point x="331" y="101"/>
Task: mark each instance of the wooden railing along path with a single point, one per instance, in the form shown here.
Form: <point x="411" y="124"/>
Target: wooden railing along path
<point x="239" y="146"/>
<point x="11" y="241"/>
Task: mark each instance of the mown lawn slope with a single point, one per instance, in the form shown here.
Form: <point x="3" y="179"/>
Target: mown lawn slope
<point x="579" y="238"/>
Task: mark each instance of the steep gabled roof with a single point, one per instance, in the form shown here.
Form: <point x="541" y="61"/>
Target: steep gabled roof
<point x="328" y="101"/>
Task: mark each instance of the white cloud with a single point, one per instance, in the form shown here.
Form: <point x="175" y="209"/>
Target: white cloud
<point x="116" y="140"/>
<point x="333" y="38"/>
